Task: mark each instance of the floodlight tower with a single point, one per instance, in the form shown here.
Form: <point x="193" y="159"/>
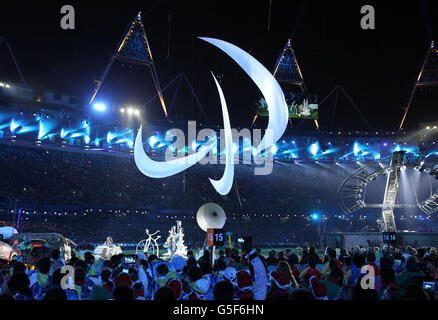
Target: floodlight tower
<point x="134" y="49"/>
<point x="391" y="191"/>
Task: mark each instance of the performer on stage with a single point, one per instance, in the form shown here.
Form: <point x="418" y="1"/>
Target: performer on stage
<point x="108" y="242"/>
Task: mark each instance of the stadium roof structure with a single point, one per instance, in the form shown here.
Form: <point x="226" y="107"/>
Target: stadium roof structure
<point x="287" y="69"/>
<point x="134" y="49"/>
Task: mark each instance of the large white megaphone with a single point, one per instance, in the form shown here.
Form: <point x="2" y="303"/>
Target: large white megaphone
<point x="211" y="216"/>
<point x="7" y="232"/>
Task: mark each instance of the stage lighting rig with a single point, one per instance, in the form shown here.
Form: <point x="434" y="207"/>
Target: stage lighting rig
<point x="99" y="107"/>
<point x="130" y="111"/>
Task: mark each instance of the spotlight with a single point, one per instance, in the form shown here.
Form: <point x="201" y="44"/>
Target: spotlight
<point x="137" y="112"/>
<point x="130" y="110"/>
<point x="99" y="107"/>
<point x="122" y="110"/>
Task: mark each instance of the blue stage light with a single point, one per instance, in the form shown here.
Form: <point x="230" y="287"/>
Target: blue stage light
<point x="194" y="145"/>
<point x="356" y="148"/>
<point x="63" y="133"/>
<point x="110" y="136"/>
<point x="274" y="149"/>
<point x="314" y="148"/>
<point x="152" y="141"/>
<point x="44" y="128"/>
<point x="315" y="216"/>
<point x="126" y="140"/>
<point x="98" y="106"/>
<point x="14" y="125"/>
<point x="41" y="132"/>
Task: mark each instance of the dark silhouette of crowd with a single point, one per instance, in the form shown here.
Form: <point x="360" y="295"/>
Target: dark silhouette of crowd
<point x="388" y="273"/>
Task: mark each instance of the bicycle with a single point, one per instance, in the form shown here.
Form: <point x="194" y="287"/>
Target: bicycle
<point x="143" y="245"/>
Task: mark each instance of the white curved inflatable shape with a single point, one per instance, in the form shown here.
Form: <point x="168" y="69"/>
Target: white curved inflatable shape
<point x="163" y="169"/>
<point x="268" y="85"/>
<point x="223" y="186"/>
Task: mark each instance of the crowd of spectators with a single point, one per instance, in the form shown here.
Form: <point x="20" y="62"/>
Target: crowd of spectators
<point x="79" y="181"/>
<point x="337" y="274"/>
<point x="279" y="204"/>
<point x="89" y="179"/>
<point x="129" y="229"/>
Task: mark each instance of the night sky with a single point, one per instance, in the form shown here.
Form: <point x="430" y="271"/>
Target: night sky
<point x="376" y="67"/>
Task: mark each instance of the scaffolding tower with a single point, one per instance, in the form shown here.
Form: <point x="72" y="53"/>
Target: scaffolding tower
<point x="391" y="189"/>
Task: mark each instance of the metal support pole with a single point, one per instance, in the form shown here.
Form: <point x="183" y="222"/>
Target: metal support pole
<point x="409" y="105"/>
<point x="196" y="98"/>
<point x="269" y="15"/>
<point x="3" y="38"/>
<point x="174" y="95"/>
<point x="334" y="109"/>
<point x="357" y="109"/>
<point x="157" y="87"/>
<point x="165" y="88"/>
<point x="19" y="218"/>
<point x="328" y="95"/>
